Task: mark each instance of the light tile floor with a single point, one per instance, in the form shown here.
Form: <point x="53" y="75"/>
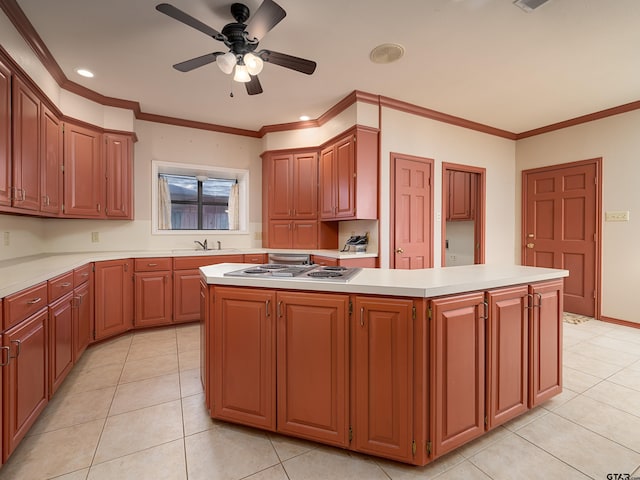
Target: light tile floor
<point x="133" y="409"/>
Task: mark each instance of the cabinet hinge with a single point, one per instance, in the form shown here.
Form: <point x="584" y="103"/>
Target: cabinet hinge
<point x="350" y="307"/>
<point x="350" y="434"/>
<point x="429" y="447"/>
<point x="413" y="448"/>
<point x="486" y="420"/>
<point x="429" y="313"/>
<point x="413" y="312"/>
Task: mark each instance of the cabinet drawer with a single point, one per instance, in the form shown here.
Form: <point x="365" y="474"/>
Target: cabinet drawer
<point x="81" y="275"/>
<point x="59" y="286"/>
<point x="23" y="304"/>
<point x="191" y="263"/>
<point x="255" y="258"/>
<point x="152" y="264"/>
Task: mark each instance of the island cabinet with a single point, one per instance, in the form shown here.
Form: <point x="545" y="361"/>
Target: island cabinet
<point x="348" y="176"/>
<point x="389" y="412"/>
<point x="153" y="292"/>
<point x="113" y="297"/>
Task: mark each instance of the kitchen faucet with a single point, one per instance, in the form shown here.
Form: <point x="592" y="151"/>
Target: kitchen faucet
<point x="202" y="244"/>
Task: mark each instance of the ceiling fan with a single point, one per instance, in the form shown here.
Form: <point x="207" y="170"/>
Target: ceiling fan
<point x="242" y="40"/>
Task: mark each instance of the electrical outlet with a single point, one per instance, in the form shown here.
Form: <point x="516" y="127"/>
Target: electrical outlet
<point x="6" y="238"/>
<point x="616" y="216"/>
<point x="95" y="237"/>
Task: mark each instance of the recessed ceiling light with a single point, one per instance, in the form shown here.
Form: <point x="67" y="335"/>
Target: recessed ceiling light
<point x="304" y="118"/>
<point x="84" y="72"/>
<point x="386" y="53"/>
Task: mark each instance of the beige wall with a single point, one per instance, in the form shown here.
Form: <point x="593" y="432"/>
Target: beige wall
<point x="616" y="140"/>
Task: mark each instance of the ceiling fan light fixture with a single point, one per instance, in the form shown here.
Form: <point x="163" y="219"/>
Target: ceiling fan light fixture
<point x="226" y="62"/>
<point x="254" y="63"/>
<point x="242" y="74"/>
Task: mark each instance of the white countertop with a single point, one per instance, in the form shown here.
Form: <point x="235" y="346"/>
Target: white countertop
<point x="23" y="272"/>
<point x="428" y="282"/>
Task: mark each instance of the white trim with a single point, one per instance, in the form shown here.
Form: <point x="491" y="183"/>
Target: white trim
<point x="242" y="176"/>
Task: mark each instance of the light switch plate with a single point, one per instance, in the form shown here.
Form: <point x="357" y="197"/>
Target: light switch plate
<point x="616" y="216"/>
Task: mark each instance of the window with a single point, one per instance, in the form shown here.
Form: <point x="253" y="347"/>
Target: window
<point x="190" y="198"/>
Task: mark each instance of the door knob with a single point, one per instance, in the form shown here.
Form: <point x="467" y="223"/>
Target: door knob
<point x="399" y="250"/>
<point x="530" y="245"/>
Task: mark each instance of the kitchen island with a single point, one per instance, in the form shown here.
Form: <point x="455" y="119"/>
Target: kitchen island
<point x="402" y="364"/>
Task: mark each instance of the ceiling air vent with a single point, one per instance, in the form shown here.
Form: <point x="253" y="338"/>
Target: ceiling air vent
<point x="529" y="5"/>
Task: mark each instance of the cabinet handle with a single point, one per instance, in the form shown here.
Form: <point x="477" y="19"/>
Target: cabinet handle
<point x="18" y="343"/>
<point x="529" y="301"/>
<point x="486" y="310"/>
<point x="152" y="264"/>
<point x="85" y="274"/>
<point x="280" y="308"/>
<point x="24" y="194"/>
<point x="34" y="301"/>
<point x="3" y="362"/>
<point x="362" y="316"/>
<point x="268" y="307"/>
<point x="98" y="207"/>
<point x="539" y="295"/>
<point x="65" y="285"/>
<point x="76" y="302"/>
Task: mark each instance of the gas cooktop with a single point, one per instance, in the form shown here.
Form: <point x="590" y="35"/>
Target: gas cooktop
<point x="299" y="272"/>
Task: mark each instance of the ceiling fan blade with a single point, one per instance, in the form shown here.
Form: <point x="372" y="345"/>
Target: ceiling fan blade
<point x="253" y="86"/>
<point x="194" y="63"/>
<point x="288" y="61"/>
<point x="187" y="19"/>
<point x="268" y="15"/>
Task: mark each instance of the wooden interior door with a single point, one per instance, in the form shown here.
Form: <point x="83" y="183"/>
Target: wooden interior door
<point x="561" y="205"/>
<point x="412" y="211"/>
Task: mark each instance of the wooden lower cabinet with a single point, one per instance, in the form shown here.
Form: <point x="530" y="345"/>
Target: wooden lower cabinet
<point x="205" y="342"/>
<point x="383" y="377"/>
<point x="114" y="297"/>
<point x="60" y="341"/>
<point x="507" y="365"/>
<point x="458" y="370"/>
<point x="25" y="378"/>
<point x="82" y="318"/>
<point x="313" y="366"/>
<point x="153" y="299"/>
<point x="243" y="347"/>
<point x="545" y="332"/>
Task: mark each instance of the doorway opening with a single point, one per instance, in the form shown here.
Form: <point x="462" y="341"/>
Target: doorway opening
<point x="463" y="215"/>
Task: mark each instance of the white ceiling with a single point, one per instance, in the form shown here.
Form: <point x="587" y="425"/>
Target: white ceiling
<point x="483" y="60"/>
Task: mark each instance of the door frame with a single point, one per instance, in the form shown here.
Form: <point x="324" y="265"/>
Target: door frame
<point x="393" y="156"/>
<point x="480" y="215"/>
<point x="598" y="256"/>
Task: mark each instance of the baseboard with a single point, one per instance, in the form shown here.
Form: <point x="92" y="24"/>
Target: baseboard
<point x="626" y="323"/>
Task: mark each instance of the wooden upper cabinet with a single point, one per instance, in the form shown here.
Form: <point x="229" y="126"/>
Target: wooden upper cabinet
<point x="83" y="172"/>
<point x="462" y="196"/>
<point x="51" y="161"/>
<point x="349" y="176"/>
<point x="5" y="136"/>
<point x="458" y="383"/>
<point x="26" y="150"/>
<point x="280" y="200"/>
<point x="293" y="185"/>
<point x="305" y="186"/>
<point x="119" y="176"/>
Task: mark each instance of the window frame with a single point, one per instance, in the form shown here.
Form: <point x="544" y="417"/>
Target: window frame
<point x="174" y="168"/>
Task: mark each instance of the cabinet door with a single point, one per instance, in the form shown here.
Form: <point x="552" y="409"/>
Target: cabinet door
<point x="243" y="343"/>
<point x="153" y="299"/>
<point x="545" y="348"/>
<point x="312" y="366"/>
<point x="186" y="295"/>
<point x="280" y="234"/>
<point x="305" y="186"/>
<point x="344" y="186"/>
<point x="82" y="318"/>
<point x="383" y="377"/>
<point x="60" y="341"/>
<point x="25" y="379"/>
<point x="507" y="354"/>
<point x="458" y="382"/>
<point x="119" y="173"/>
<point x="305" y="234"/>
<point x="113" y="297"/>
<point x="280" y="186"/>
<point x="26" y="147"/>
<point x="324" y="261"/>
<point x="83" y="172"/>
<point x="206" y="299"/>
<point x="459" y="196"/>
<point x="51" y="157"/>
<point x="5" y="136"/>
<point x="326" y="170"/>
